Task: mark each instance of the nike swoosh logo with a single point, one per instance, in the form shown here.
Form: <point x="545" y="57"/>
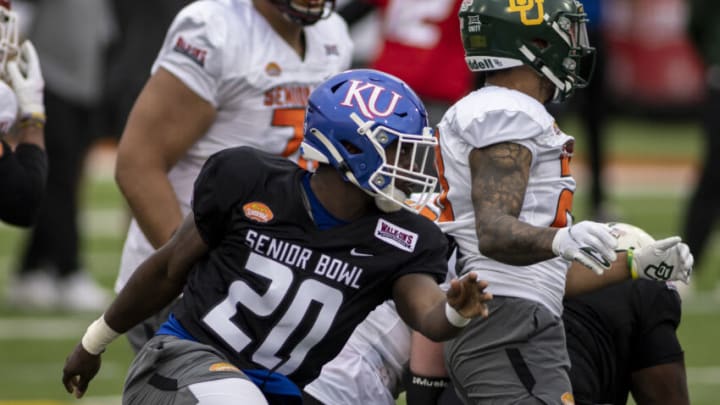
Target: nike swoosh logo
<point x="596" y="256"/>
<point x="354" y="252"/>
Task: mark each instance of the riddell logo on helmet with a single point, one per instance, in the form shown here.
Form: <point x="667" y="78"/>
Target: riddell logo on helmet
<point x="483" y="63"/>
<point x="525" y="8"/>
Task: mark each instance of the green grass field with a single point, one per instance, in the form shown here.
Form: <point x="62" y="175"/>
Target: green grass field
<point x="33" y="346"/>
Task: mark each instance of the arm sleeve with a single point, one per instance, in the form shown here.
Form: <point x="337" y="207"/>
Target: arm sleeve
<point x="193" y="48"/>
<point x="23" y="174"/>
<point x="659" y="316"/>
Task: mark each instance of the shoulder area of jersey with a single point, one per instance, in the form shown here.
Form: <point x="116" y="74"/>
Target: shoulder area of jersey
<point x="495" y="99"/>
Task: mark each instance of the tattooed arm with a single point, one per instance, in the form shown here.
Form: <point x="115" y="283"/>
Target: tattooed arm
<point x="499" y="178"/>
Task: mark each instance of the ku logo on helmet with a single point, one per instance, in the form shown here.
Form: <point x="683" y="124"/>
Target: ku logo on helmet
<point x="368" y="107"/>
<point x="525" y="8"/>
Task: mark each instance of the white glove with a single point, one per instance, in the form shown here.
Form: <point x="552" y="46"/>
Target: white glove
<point x="665" y="260"/>
<point x="27" y="81"/>
<point x="590" y="243"/>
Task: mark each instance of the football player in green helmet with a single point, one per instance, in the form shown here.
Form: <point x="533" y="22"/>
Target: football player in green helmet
<point x="507" y="197"/>
<point x="547" y="35"/>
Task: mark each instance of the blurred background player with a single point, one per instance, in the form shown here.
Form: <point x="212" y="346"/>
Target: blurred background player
<point x="23" y="165"/>
<point x="253" y="310"/>
<point x="704" y="206"/>
<point x="51" y="275"/>
<point x="419" y="44"/>
<point x="141" y="28"/>
<point x="229" y="73"/>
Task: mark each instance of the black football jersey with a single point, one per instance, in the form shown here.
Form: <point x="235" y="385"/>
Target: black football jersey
<point x="617" y="330"/>
<point x="274" y="291"/>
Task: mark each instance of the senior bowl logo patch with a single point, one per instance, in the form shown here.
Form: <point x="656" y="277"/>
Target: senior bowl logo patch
<point x="273" y="69"/>
<point x="258" y="212"/>
<point x="223" y="367"/>
<point x="567" y="399"/>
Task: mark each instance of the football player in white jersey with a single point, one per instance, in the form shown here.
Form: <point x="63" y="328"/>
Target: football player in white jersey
<point x="507" y="200"/>
<point x="230" y="73"/>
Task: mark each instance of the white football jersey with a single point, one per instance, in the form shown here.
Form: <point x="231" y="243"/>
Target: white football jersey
<point x="489" y="116"/>
<point x="227" y="53"/>
<point x="369" y="368"/>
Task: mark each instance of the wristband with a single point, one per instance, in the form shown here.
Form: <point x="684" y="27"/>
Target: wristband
<point x="36" y="120"/>
<point x="631" y="263"/>
<point x="98" y="336"/>
<point x="454" y="317"/>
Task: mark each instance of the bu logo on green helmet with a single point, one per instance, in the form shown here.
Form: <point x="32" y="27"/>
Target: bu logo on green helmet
<point x="525" y="7"/>
<point x="548" y="35"/>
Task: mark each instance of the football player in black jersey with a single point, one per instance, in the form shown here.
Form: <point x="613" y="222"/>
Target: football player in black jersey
<point x="277" y="265"/>
<point x="23" y="167"/>
<point x="621" y="340"/>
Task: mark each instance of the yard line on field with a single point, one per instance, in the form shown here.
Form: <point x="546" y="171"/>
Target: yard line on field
<point x="704" y="375"/>
<point x="41" y="328"/>
<point x="109" y="400"/>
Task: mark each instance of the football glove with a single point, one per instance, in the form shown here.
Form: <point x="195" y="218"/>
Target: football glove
<point x="27" y="81"/>
<point x="590" y="243"/>
<point x="665" y="260"/>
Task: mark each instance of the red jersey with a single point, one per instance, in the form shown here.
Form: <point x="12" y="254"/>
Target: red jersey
<point x="422" y="46"/>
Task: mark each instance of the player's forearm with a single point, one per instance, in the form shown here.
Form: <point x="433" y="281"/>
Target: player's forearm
<point x="32" y="134"/>
<point x="580" y="279"/>
<point x="435" y="326"/>
<point x="508" y="240"/>
<point x="149" y="290"/>
<point x="152" y="201"/>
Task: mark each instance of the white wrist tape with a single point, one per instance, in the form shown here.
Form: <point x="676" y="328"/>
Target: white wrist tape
<point x="454" y="317"/>
<point x="98" y="336"/>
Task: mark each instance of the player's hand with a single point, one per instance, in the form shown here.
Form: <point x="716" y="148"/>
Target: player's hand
<point x="590" y="243"/>
<point x="80" y="368"/>
<point x="27" y="81"/>
<point x="467" y="296"/>
<point x="668" y="259"/>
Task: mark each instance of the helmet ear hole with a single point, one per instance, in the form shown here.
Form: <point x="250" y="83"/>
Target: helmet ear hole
<point x="540" y="43"/>
<point x="351" y="148"/>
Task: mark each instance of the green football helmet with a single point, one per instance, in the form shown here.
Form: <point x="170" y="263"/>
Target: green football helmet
<point x="548" y="35"/>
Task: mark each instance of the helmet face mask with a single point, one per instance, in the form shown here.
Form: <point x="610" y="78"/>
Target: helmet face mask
<point x="548" y="35"/>
<point x="9" y="46"/>
<point x="374" y="130"/>
<point x="305" y="12"/>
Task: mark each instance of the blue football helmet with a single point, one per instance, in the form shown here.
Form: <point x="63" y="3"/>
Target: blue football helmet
<point x="305" y="12"/>
<point x="353" y="117"/>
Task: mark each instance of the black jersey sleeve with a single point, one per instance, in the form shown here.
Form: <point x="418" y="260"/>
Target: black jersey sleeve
<point x="225" y="178"/>
<point x="658" y="313"/>
<point x="22" y="182"/>
<point x="432" y="255"/>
